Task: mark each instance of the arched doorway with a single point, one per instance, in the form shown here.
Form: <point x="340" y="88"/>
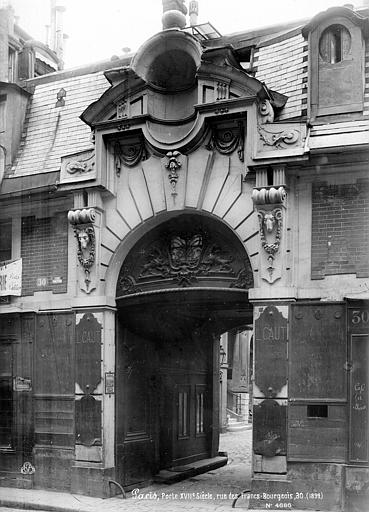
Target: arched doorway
<point x="182" y="284"/>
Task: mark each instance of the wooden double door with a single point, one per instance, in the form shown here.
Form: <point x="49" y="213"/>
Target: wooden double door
<point x="164" y="406"/>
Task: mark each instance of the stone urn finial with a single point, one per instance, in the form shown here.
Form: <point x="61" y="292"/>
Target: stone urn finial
<point x="174" y="14"/>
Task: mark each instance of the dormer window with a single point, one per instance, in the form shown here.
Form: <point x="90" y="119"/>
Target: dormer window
<point x="334" y="44"/>
<point x="336" y="73"/>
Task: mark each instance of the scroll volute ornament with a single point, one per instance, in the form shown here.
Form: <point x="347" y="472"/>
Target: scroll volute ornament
<point x="266" y="112"/>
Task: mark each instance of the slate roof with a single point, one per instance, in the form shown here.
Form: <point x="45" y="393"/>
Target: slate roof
<point x="50" y="132"/>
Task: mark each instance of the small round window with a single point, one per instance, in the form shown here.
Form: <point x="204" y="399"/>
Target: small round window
<point x="334" y="44"/>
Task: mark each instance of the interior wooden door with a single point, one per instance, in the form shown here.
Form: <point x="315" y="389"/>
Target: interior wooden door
<point x="136" y="442"/>
<point x="190" y="417"/>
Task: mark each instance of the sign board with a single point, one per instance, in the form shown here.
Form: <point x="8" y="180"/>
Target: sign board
<point x="21" y="384"/>
<point x="318" y="351"/>
<point x="88" y="353"/>
<point x="88" y="421"/>
<point x="109" y="383"/>
<point x="271" y="351"/>
<point x="270" y="428"/>
<point x="358" y="326"/>
<point x="11" y="277"/>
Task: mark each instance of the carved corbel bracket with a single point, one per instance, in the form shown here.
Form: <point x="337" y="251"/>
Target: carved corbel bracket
<point x="270" y="229"/>
<point x="269" y="202"/>
<point x="84" y="231"/>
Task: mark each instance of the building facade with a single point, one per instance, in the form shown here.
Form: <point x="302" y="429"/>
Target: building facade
<point x="151" y="204"/>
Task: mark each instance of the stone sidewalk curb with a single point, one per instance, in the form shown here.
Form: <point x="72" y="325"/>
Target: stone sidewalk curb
<point x="119" y="504"/>
<point x="24" y="505"/>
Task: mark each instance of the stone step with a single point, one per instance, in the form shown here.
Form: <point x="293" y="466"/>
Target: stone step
<point x="176" y="474"/>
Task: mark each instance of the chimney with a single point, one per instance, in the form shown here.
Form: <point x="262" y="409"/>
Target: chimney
<point x="47" y="35"/>
<point x="4" y="42"/>
<point x="193" y="12"/>
<point x="57" y="36"/>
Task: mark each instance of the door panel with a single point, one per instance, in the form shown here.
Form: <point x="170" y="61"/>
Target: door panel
<point x="189" y="421"/>
<point x="16" y="396"/>
<point x="136" y="410"/>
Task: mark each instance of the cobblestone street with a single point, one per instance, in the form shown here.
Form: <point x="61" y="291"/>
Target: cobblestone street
<point x="214" y="490"/>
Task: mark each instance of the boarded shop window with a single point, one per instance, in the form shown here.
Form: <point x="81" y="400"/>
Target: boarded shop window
<point x="6" y="396"/>
<point x="318" y="351"/>
<point x="5" y="240"/>
<point x="317" y="413"/>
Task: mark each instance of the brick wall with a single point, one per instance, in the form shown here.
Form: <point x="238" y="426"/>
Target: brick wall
<point x="44" y="251"/>
<point x="283" y="66"/>
<point x="340" y="231"/>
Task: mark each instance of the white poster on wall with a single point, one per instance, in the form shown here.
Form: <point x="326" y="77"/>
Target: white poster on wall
<point x="11" y="277"/>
